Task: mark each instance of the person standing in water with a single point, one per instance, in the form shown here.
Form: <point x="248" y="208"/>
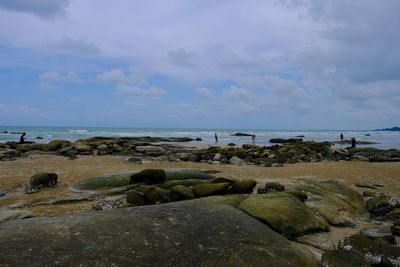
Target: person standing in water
<point x="253" y="139"/>
<point x="22" y="138"/>
<point x="216" y="138"/>
<point x="353" y="142"/>
<point x="341" y="136"/>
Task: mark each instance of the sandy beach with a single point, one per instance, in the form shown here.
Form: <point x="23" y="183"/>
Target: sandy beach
<point x="15" y="174"/>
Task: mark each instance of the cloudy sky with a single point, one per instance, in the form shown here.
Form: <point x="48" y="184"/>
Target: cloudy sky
<point x="264" y="64"/>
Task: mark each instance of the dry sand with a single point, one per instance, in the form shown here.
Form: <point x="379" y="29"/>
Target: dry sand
<point x="14" y="175"/>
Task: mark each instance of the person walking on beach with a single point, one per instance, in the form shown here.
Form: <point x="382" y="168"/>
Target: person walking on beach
<point x="341" y="137"/>
<point x="22" y="138"/>
<point x="353" y="142"/>
<point x="216" y="138"/>
<point x="253" y="139"/>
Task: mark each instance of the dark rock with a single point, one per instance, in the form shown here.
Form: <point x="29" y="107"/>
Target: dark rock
<point x="384" y="233"/>
<point x="245" y="186"/>
<point x="208" y="189"/>
<point x="58" y="144"/>
<point x="198" y="139"/>
<point x="283" y="141"/>
<point x="40" y="180"/>
<point x="395" y="230"/>
<point x="187" y="233"/>
<point x="149" y="176"/>
<point x="181" y="192"/>
<point x="379" y="206"/>
<point x="136" y="198"/>
<point x="231" y="144"/>
<point x="274" y="187"/>
<point x="300" y="195"/>
<point x="344" y="258"/>
<point x="369" y="194"/>
<point x="284" y="213"/>
<point x="378" y="252"/>
<point x="39" y="138"/>
<point x="241" y="134"/>
<point x="2" y="194"/>
<point x="365" y="186"/>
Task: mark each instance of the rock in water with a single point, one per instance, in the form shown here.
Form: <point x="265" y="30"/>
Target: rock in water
<point x="284" y="213"/>
<point x="148" y="176"/>
<point x="40" y="180"/>
<point x="186" y="233"/>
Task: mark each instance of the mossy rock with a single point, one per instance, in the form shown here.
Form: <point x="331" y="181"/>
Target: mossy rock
<point x="103" y="182"/>
<point x="148" y="176"/>
<point x="58" y="144"/>
<point x="40" y="180"/>
<point x="136" y="198"/>
<point x="300" y="195"/>
<point x="379" y="205"/>
<point x="188" y="182"/>
<point x="338" y="204"/>
<point x="208" y="189"/>
<point x="184" y="174"/>
<point x="344" y="258"/>
<point x="181" y="192"/>
<point x="245" y="186"/>
<point x="222" y="180"/>
<point x="284" y="213"/>
<point x="274" y="187"/>
<point x="154" y="194"/>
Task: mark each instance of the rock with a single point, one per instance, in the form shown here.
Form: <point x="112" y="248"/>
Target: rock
<point x="300" y="195"/>
<point x="149" y="176"/>
<point x="344" y="258"/>
<point x="40" y="180"/>
<point x="395" y="230"/>
<point x="188" y="182"/>
<point x="369" y="194"/>
<point x="241" y="134"/>
<point x="235" y="161"/>
<point x="184" y="174"/>
<point x="378" y="252"/>
<point x="103" y="182"/>
<point x="186" y="233"/>
<point x="384" y="233"/>
<point x="365" y="186"/>
<point x="271" y="187"/>
<point x="198" y="139"/>
<point x="208" y="189"/>
<point x="379" y="206"/>
<point x="154" y="194"/>
<point x="281" y="140"/>
<point x="284" y="213"/>
<point x="58" y="144"/>
<point x="231" y="144"/>
<point x="82" y="148"/>
<point x="181" y="192"/>
<point x="320" y="241"/>
<point x="137" y="160"/>
<point x="11" y="215"/>
<point x="245" y="186"/>
<point x="2" y="194"/>
<point x="217" y="157"/>
<point x="136" y="198"/>
<point x="338" y="204"/>
<point x="150" y="150"/>
<point x="222" y="180"/>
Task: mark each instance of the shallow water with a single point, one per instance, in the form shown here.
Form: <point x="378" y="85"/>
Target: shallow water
<point x="384" y="139"/>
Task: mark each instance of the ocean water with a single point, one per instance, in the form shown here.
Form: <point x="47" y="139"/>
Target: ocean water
<point x="385" y="140"/>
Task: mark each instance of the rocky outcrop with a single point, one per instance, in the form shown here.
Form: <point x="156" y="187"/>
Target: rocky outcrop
<point x="344" y="258"/>
<point x="200" y="232"/>
<point x="103" y="182"/>
<point x="41" y="180"/>
<point x="284" y="213"/>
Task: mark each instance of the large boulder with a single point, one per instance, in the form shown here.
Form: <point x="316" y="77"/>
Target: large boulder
<point x="148" y="176"/>
<point x="150" y="150"/>
<point x="103" y="182"/>
<point x="154" y="194"/>
<point x="181" y="192"/>
<point x="186" y="233"/>
<point x="284" y="213"/>
<point x="379" y="205"/>
<point x="58" y="144"/>
<point x="136" y="198"/>
<point x="40" y="180"/>
<point x="206" y="189"/>
<point x="337" y="203"/>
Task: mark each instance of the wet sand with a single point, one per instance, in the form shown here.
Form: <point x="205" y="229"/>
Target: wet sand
<point x="14" y="175"/>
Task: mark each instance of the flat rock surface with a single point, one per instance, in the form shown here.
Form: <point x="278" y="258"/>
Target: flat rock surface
<point x="188" y="233"/>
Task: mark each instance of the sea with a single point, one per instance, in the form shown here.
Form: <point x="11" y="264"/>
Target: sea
<point x="383" y="139"/>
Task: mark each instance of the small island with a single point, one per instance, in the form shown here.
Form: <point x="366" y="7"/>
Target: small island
<point x="393" y="129"/>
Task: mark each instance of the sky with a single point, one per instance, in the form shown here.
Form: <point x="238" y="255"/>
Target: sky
<point x="260" y="64"/>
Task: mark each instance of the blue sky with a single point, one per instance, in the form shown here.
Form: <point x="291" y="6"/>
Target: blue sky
<point x="305" y="64"/>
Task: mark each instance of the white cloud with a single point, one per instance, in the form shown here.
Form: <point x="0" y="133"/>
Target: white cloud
<point x="51" y="79"/>
<point x="74" y="46"/>
<point x="114" y="76"/>
<point x="152" y="92"/>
